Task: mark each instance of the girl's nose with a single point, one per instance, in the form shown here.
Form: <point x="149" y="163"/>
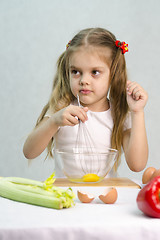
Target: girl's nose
<point x="84" y="80"/>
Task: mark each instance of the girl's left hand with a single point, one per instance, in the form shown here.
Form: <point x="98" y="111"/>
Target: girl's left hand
<point x="136" y="96"/>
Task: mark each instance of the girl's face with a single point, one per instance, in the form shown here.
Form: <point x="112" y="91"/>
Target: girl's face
<point x="89" y="78"/>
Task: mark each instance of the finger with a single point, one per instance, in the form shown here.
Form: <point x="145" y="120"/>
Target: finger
<point x="136" y="89"/>
<point x="133" y="87"/>
<point x="83" y="111"/>
<point x="128" y="82"/>
<point x="128" y="88"/>
<point x="80" y="113"/>
<point x="81" y="116"/>
<point x="72" y="121"/>
<point x="131" y="84"/>
<point x="141" y="94"/>
<point x="137" y="95"/>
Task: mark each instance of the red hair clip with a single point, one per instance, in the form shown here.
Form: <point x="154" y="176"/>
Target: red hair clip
<point x="122" y="45"/>
<point x="67" y="46"/>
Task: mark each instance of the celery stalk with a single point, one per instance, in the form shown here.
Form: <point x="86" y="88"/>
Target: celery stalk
<point x="36" y="192"/>
<point x="24" y="181"/>
<point x="8" y="190"/>
<point x="34" y="189"/>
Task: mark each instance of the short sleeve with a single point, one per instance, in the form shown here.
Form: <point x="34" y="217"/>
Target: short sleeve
<point x="128" y="122"/>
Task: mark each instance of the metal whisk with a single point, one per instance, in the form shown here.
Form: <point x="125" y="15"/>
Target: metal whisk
<point x="85" y="149"/>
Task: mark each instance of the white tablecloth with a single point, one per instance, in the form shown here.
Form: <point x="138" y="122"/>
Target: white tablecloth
<point x="96" y="220"/>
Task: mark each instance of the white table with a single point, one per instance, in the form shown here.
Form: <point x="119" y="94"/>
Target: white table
<point x="93" y="221"/>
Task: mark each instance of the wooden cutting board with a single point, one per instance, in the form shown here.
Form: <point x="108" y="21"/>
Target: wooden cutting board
<point x="115" y="182"/>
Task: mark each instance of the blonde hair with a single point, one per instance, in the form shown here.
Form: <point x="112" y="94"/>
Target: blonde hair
<point x="62" y="96"/>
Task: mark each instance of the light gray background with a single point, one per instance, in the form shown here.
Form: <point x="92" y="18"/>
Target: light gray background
<point x="33" y="33"/>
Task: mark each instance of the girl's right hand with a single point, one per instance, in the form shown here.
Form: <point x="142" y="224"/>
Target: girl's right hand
<point x="69" y="116"/>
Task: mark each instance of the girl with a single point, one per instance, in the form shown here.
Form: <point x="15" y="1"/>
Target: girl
<point x="93" y="67"/>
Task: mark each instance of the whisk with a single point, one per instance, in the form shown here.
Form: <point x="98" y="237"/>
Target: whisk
<point x="86" y="149"/>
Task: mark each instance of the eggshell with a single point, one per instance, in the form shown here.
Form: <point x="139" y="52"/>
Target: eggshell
<point x="85" y="197"/>
<point x="148" y="174"/>
<point x="155" y="174"/>
<point x="109" y="196"/>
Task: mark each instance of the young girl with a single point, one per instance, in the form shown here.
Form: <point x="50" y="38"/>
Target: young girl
<point x="93" y="67"/>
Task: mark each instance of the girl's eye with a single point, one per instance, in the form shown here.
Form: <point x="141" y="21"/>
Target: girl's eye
<point x="75" y="72"/>
<point x="95" y="72"/>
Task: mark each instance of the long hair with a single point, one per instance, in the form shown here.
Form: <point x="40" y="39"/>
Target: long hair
<point x="62" y="96"/>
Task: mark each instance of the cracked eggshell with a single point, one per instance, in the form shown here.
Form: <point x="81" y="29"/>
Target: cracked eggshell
<point x="109" y="196"/>
<point x="85" y="197"/>
<point x="147" y="175"/>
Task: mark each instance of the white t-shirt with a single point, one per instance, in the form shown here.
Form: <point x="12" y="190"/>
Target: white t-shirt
<point x="99" y="127"/>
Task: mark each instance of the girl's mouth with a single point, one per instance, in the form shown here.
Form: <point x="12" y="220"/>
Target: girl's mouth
<point x="85" y="91"/>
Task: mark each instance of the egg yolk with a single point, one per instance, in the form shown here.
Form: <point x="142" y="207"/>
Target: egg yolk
<point x="90" y="177"/>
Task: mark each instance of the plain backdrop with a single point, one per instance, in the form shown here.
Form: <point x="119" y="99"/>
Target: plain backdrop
<point x="33" y="33"/>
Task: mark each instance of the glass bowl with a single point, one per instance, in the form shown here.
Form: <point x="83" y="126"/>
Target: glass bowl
<point x="87" y="165"/>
